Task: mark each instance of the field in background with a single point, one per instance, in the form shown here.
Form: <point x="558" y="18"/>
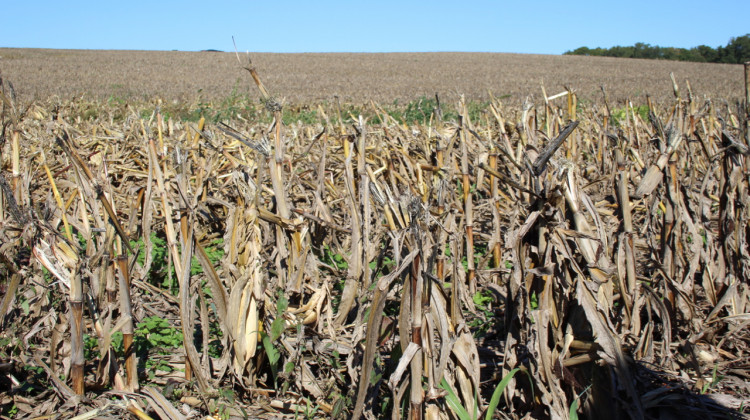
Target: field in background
<point x="355" y="78"/>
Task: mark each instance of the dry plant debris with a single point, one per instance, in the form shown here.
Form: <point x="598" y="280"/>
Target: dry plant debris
<point x="545" y="262"/>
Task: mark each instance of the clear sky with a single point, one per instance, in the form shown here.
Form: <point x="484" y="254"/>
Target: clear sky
<point x="540" y="27"/>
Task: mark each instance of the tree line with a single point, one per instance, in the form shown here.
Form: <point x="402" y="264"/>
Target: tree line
<point x="737" y="51"/>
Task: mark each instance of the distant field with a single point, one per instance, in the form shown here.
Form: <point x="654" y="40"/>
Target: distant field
<point x="355" y="78"/>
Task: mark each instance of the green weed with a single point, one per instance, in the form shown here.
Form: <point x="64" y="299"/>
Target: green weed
<point x="214" y="251"/>
<point x="715" y="379"/>
<point x="454" y="402"/>
<point x="334" y="259"/>
<point x="269" y="340"/>
<point x="302" y="116"/>
<point x="156" y="333"/>
<point x="573" y="411"/>
<point x="159" y="254"/>
<point x="152" y="336"/>
<point x="419" y="111"/>
<point x="620" y="114"/>
<point x="161" y="273"/>
<point x="534" y="300"/>
<point x="499" y="390"/>
<point x="486" y="319"/>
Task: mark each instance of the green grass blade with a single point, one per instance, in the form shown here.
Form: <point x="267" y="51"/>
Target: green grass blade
<point x="495" y="400"/>
<point x="573" y="412"/>
<point x="454" y="402"/>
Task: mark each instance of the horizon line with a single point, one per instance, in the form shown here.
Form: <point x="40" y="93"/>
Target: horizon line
<point x="280" y="52"/>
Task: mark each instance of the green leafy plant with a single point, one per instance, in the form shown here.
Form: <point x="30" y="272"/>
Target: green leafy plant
<point x="214" y="251"/>
<point x="269" y="340"/>
<point x="303" y="115"/>
<point x="12" y="411"/>
<point x="419" y="111"/>
<point x="5" y="344"/>
<point x="228" y="108"/>
<point x="215" y="345"/>
<point x="482" y="300"/>
<point x="155" y="335"/>
<point x="620" y="114"/>
<point x="221" y="405"/>
<point x="23" y="302"/>
<point x="382" y="266"/>
<point x="334" y="259"/>
<point x="34" y="369"/>
<point x="90" y="346"/>
<point x="156" y="332"/>
<point x="161" y="273"/>
<point x="310" y="411"/>
<point x="480" y="251"/>
<point x="159" y="254"/>
<point x="475" y="109"/>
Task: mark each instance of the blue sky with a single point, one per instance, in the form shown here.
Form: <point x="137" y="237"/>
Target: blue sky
<point x="539" y="27"/>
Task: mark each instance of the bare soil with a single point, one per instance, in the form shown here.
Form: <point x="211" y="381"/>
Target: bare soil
<point x="354" y="78"/>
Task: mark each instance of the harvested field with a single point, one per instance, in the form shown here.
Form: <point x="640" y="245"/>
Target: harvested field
<point x="549" y="258"/>
<point x="355" y="78"/>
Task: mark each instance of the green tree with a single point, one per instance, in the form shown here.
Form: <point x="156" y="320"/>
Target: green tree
<point x="690" y="55"/>
<point x="620" y="51"/>
<point x="708" y="54"/>
<point x="738" y="50"/>
<point x="580" y="51"/>
<point x="641" y="50"/>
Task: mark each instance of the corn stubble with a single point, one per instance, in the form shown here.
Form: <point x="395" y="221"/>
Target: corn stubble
<point x="354" y="255"/>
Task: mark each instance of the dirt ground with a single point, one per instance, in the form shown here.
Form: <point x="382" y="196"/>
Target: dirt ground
<point x="355" y="78"/>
